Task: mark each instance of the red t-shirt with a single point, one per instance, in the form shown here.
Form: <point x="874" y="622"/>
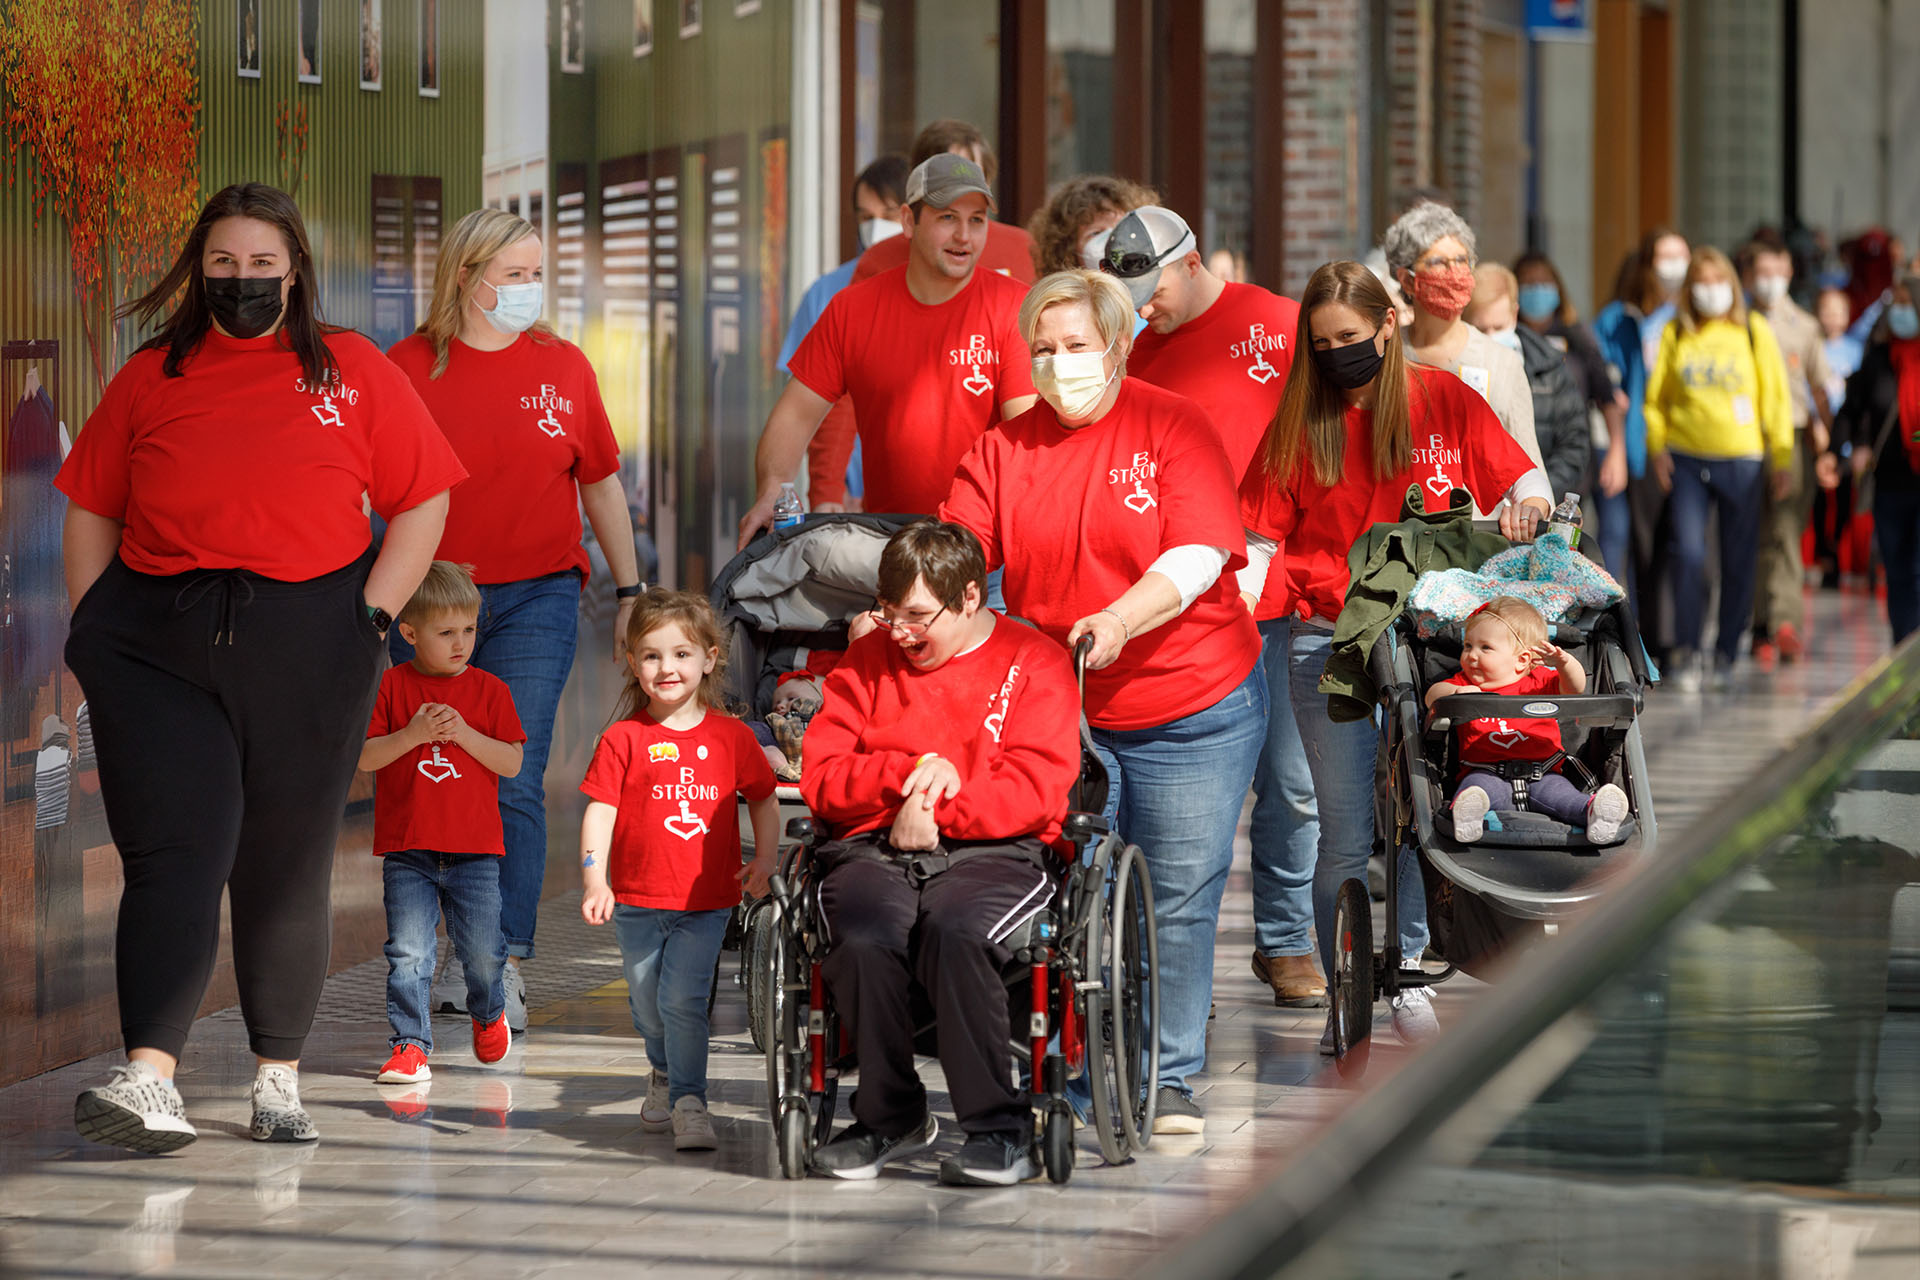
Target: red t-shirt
<point x="1231" y="360"/>
<point x="1009" y="252"/>
<point x="1077" y="517"/>
<point x="238" y="464"/>
<point x="1492" y="739"/>
<point x="676" y="843"/>
<point x="530" y="426"/>
<point x="1006" y="714"/>
<point x="925" y="380"/>
<point x="1457" y="443"/>
<point x="438" y="797"/>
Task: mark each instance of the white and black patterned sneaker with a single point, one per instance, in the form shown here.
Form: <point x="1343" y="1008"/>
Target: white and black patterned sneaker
<point x="515" y="987"/>
<point x="135" y="1109"/>
<point x="277" y="1113"/>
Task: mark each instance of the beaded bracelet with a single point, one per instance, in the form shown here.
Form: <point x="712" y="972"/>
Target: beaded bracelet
<point x="1122" y="621"/>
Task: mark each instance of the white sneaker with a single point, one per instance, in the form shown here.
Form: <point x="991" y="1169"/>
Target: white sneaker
<point x="1413" y="1018"/>
<point x="135" y="1109"/>
<point x="1470" y="814"/>
<point x="516" y="989"/>
<point x="1687" y="673"/>
<point x="277" y="1113"/>
<point x="656" y="1113"/>
<point x="692" y="1126"/>
<point x="1605" y="812"/>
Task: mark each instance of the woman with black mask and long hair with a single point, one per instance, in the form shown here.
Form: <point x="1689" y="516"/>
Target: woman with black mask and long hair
<point x="228" y="630"/>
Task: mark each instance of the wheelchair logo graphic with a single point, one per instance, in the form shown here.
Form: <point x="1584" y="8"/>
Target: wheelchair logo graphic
<point x="1506" y="737"/>
<point x="1260" y="371"/>
<point x="686" y="824"/>
<point x="438" y="769"/>
<point x="1140" y="501"/>
<point x="549" y="425"/>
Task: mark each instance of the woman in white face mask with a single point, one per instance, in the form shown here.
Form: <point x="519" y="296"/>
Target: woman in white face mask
<point x="1719" y="414"/>
<point x="1112" y="505"/>
<point x="522" y="408"/>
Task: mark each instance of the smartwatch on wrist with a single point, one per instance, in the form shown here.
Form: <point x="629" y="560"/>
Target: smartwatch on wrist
<point x="628" y="593"/>
<point x="380" y="618"/>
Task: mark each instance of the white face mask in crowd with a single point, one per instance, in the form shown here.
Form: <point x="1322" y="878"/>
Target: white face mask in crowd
<point x="516" y="306"/>
<point x="874" y="230"/>
<point x="1713" y="299"/>
<point x="1073" y="381"/>
<point x="1768" y="291"/>
<point x="1094" y="248"/>
<point x="1508" y="337"/>
<point x="1670" y="272"/>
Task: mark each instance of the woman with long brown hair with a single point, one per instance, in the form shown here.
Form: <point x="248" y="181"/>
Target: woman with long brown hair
<point x="1358" y="425"/>
<point x="523" y="407"/>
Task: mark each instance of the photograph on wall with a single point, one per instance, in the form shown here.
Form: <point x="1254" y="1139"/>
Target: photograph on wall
<point x="429" y="48"/>
<point x="307" y="56"/>
<point x="370" y="41"/>
<point x="642" y="28"/>
<point x="690" y="18"/>
<point x="247" y="12"/>
<point x="742" y="8"/>
<point x="573" y="35"/>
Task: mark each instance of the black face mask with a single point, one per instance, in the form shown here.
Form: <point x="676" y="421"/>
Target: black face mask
<point x="1353" y="365"/>
<point x="245" y="307"/>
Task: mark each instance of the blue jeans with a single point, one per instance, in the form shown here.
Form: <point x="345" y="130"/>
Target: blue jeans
<point x="1176" y="791"/>
<point x="1286" y="823"/>
<point x="528" y="631"/>
<point x="1340" y="758"/>
<point x="669" y="959"/>
<point x="1615" y="517"/>
<point x="1896" y="529"/>
<point x="1736" y="487"/>
<point x="419" y="887"/>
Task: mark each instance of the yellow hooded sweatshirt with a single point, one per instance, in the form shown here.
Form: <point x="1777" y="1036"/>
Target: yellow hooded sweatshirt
<point x="1716" y="393"/>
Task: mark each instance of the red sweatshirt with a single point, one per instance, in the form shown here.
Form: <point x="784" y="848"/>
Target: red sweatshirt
<point x="1006" y="714"/>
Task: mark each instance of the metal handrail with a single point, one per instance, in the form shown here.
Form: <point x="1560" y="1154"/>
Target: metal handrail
<point x="1349" y="1160"/>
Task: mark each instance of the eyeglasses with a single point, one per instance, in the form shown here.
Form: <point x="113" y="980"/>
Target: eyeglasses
<point x="911" y="630"/>
<point x="1444" y="264"/>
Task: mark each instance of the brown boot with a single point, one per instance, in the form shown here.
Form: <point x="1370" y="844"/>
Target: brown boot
<point x="1296" y="982"/>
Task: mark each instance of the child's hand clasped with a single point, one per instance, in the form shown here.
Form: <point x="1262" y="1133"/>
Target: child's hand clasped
<point x="596" y="906"/>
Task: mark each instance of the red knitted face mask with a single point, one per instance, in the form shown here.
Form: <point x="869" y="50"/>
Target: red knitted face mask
<point x="1444" y="293"/>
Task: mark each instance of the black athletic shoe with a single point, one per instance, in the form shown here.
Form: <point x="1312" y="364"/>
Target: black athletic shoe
<point x="858" y="1153"/>
<point x="1176" y="1112"/>
<point x="990" y="1160"/>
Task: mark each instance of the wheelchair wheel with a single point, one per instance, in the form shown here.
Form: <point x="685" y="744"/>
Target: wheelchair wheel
<point x="1135" y="997"/>
<point x="782" y="985"/>
<point x="1352" y="984"/>
<point x="1057" y="1144"/>
<point x="760" y="994"/>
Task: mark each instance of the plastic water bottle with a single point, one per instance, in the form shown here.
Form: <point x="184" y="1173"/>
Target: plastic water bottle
<point x="1566" y="519"/>
<point x="787" y="511"/>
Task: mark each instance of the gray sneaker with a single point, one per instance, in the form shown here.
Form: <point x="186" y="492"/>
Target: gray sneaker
<point x="516" y="989"/>
<point x="692" y="1126"/>
<point x="277" y="1113"/>
<point x="1176" y="1112"/>
<point x="656" y="1113"/>
<point x="134" y="1109"/>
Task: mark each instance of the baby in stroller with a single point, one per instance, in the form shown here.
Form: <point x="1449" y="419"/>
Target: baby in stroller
<point x="1511" y="764"/>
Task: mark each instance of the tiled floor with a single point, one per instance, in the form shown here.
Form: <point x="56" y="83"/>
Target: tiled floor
<point x="539" y="1168"/>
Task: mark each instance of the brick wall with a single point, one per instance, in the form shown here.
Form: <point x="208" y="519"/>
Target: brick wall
<point x="1325" y="91"/>
<point x="1229" y="152"/>
<point x="1458" y="164"/>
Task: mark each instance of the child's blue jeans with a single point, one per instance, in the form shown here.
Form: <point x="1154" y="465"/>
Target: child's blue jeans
<point x="420" y="886"/>
<point x="669" y="958"/>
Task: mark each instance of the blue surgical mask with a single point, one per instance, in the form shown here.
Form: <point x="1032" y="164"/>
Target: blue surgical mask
<point x="1903" y="320"/>
<point x="1539" y="301"/>
<point x="1509" y="338"/>
<point x="516" y="306"/>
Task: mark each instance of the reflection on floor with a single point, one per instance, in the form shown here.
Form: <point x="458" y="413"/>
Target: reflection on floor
<point x="540" y="1168"/>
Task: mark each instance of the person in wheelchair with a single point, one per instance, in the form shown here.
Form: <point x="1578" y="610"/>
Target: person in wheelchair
<point x="940" y="766"/>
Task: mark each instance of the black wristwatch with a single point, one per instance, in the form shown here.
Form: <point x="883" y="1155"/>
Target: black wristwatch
<point x="380" y="618"/>
<point x="628" y="593"/>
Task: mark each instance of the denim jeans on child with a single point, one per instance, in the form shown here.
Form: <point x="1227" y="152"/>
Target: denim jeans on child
<point x="1340" y="757"/>
<point x="528" y="632"/>
<point x="669" y="958"/>
<point x="421" y="887"/>
<point x="1285" y="829"/>
<point x="1176" y="791"/>
<point x="1735" y="487"/>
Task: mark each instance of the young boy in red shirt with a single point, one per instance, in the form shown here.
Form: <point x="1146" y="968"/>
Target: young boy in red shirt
<point x="443" y="735"/>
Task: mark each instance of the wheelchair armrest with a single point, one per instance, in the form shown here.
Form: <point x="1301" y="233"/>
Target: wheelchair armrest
<point x="1582" y="708"/>
<point x="1083" y="828"/>
<point x="804" y="829"/>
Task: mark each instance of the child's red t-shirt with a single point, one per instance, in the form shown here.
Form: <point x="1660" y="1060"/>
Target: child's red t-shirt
<point x="437" y="797"/>
<point x="676" y="843"/>
<point x="1493" y="739"/>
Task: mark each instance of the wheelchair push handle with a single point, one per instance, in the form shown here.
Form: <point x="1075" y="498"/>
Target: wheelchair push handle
<point x="1081" y="649"/>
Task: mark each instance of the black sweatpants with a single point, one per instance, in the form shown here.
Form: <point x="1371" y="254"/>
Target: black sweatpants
<point x="228" y="714"/>
<point x="884" y="935"/>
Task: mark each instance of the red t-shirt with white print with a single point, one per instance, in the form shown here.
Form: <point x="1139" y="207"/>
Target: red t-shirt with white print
<point x="1231" y="360"/>
<point x="1458" y="443"/>
<point x="436" y="796"/>
<point x="239" y="464"/>
<point x="1495" y="738"/>
<point x="676" y="842"/>
<point x="1077" y="516"/>
<point x="529" y="423"/>
<point x="925" y="380"/>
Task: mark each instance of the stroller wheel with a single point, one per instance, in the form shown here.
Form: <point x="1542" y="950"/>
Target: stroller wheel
<point x="1352" y="978"/>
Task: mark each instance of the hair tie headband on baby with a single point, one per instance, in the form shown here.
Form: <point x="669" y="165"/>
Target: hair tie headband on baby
<point x="1487" y="608"/>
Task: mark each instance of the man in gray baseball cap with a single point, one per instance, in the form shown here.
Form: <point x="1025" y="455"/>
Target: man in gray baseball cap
<point x="942" y="179"/>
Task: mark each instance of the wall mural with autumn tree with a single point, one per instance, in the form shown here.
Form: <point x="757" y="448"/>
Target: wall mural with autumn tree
<point x="103" y="101"/>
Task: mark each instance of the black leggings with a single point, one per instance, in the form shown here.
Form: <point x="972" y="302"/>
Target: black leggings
<point x="228" y="713"/>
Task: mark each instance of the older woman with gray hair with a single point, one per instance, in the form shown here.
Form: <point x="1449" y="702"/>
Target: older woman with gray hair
<point x="1430" y="251"/>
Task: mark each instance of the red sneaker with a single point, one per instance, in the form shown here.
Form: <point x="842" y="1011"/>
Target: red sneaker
<point x="490" y="1039"/>
<point x="408" y="1065"/>
<point x="1791" y="646"/>
<point x="1765" y="654"/>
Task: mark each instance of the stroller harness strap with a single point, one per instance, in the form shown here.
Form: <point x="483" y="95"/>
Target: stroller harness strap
<point x="1520" y="774"/>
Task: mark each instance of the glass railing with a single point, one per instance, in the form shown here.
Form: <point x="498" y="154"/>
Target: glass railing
<point x="1714" y="1073"/>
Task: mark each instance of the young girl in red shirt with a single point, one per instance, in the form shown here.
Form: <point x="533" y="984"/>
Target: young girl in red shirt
<point x="660" y="844"/>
